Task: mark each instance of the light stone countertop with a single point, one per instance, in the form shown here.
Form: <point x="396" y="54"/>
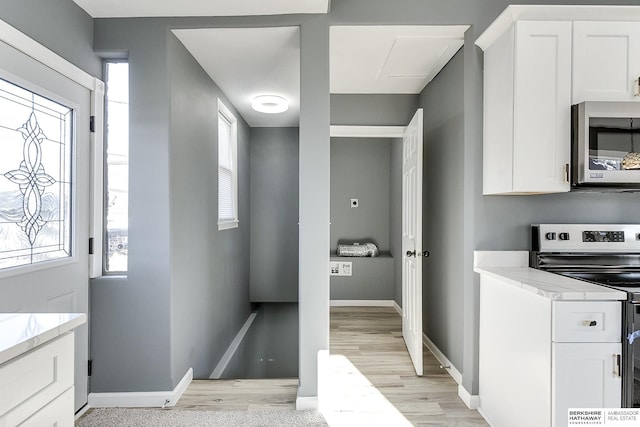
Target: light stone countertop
<point x="513" y="267"/>
<point x="21" y="332"/>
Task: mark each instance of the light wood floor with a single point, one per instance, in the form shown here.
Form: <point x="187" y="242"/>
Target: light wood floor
<point x="368" y="380"/>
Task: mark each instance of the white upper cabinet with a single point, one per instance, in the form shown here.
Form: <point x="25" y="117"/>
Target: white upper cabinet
<point x="606" y="61"/>
<point x="527" y="109"/>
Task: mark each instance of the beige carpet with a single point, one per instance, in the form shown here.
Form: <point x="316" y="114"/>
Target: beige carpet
<point x="125" y="417"/>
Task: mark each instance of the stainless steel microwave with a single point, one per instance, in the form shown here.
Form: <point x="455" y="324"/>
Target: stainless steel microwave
<point x="606" y="144"/>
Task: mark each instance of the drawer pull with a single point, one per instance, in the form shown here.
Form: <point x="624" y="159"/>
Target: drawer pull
<point x="590" y="323"/>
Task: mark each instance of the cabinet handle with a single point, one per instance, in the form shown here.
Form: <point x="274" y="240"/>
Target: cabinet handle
<point x="590" y="323"/>
<point x="636" y="87"/>
<point x="566" y="172"/>
<point x="616" y="365"/>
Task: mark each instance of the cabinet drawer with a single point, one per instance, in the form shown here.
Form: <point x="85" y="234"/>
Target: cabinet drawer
<point x="31" y="381"/>
<point x="578" y="321"/>
<point x="58" y="413"/>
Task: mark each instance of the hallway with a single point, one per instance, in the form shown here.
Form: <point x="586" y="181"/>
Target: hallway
<point x="372" y="380"/>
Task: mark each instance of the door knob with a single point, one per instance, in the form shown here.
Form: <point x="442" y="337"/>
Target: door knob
<point x="411" y="253"/>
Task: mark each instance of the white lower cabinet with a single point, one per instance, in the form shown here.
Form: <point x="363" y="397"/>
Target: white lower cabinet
<point x="36" y="388"/>
<point x="585" y="375"/>
<point x="54" y="414"/>
<point x="540" y="356"/>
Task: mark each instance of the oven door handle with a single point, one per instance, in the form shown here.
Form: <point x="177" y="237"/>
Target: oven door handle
<point x="617" y="359"/>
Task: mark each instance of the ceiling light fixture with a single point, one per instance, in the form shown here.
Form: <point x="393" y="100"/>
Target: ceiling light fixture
<point x="270" y="104"/>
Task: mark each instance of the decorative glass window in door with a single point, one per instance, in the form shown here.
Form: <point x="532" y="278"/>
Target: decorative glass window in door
<point x="36" y="136"/>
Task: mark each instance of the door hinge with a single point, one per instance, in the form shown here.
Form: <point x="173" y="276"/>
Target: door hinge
<point x="92" y="124"/>
<point x="90" y="245"/>
<point x="89" y="367"/>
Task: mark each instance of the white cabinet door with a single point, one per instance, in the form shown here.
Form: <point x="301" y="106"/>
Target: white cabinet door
<point x="585" y="375"/>
<point x="527" y="109"/>
<point x="542" y="107"/>
<point x="606" y="61"/>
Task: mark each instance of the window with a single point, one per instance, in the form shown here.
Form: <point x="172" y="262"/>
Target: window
<point x="227" y="169"/>
<point x="36" y="137"/>
<point x="117" y="167"/>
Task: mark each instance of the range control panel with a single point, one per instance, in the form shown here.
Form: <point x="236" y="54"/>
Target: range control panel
<point x="585" y="237"/>
<point x="603" y="236"/>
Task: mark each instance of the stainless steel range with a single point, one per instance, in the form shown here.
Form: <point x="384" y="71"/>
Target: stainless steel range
<point x="607" y="255"/>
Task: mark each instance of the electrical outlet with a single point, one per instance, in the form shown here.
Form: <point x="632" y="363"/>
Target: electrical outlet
<point x="354" y="203"/>
<point x="340" y="268"/>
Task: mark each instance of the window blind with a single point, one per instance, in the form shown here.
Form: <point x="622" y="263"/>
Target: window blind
<point x="226" y="205"/>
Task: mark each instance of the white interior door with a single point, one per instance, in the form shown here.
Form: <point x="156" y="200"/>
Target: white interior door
<point x="412" y="239"/>
<point x="42" y="113"/>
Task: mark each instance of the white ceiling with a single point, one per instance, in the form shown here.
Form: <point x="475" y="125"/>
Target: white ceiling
<point x="390" y="59"/>
<point x="247" y="62"/>
<point x="139" y="8"/>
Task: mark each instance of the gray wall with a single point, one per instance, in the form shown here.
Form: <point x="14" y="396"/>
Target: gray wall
<point x="372" y="109"/>
<point x="395" y="217"/>
<point x="60" y="25"/>
<point x="371" y="279"/>
<point x="131" y="330"/>
<point x="360" y="169"/>
<point x="274" y="214"/>
<point x="270" y="348"/>
<point x="443" y="103"/>
<point x="209" y="268"/>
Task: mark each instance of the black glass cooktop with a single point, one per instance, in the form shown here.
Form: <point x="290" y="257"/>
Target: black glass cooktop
<point x="627" y="279"/>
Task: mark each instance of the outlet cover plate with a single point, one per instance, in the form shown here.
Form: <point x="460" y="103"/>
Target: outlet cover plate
<point x="340" y="268"/>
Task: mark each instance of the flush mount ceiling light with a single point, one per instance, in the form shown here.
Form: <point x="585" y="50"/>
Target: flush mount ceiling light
<point x="270" y="104"/>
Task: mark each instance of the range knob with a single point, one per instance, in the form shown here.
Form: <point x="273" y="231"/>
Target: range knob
<point x="563" y="236"/>
<point x="550" y="236"/>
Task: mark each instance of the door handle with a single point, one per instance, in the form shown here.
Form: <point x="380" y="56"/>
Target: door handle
<point x="616" y="365"/>
<point x="424" y="254"/>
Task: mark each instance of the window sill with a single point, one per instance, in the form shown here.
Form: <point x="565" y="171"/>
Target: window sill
<point x="226" y="225"/>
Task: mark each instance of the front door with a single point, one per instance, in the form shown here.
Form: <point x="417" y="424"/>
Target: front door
<point x="412" y="239"/>
<point x="44" y="195"/>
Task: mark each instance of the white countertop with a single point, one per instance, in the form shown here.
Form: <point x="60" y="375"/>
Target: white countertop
<point x="21" y="332"/>
<point x="512" y="267"/>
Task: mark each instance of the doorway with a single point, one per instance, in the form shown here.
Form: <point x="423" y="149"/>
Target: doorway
<point x="44" y="185"/>
<point x="378" y="88"/>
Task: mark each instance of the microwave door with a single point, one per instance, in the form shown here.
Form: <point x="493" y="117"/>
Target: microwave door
<point x="608" y="143"/>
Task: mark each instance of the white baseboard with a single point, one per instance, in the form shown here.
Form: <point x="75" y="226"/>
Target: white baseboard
<point x="155" y="399"/>
<point x="307" y="403"/>
<point x="446" y="364"/>
<point x="82" y="411"/>
<point x="472" y="402"/>
<point x="481" y="412"/>
<point x="233" y="347"/>
<point x="361" y="303"/>
<point x="398" y="308"/>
